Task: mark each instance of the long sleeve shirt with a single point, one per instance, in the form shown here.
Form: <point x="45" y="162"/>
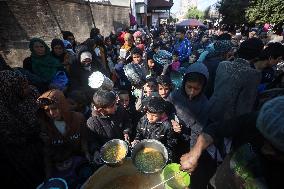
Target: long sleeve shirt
<point x="184" y="50"/>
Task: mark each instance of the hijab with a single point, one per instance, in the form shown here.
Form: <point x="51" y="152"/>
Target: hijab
<point x="45" y="66"/>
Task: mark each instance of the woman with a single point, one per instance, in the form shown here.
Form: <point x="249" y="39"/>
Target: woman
<point x="41" y="63"/>
<point x="21" y="156"/>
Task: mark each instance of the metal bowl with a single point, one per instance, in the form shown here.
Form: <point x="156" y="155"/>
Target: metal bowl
<point x="150" y="143"/>
<point x="111" y="143"/>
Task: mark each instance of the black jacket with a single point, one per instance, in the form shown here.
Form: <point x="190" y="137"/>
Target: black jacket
<point x="101" y="129"/>
<point x="161" y="131"/>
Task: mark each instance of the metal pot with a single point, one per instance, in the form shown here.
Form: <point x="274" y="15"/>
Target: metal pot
<point x="111" y="143"/>
<point x="150" y="143"/>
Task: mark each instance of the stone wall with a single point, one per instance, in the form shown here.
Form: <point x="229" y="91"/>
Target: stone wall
<point x="21" y="20"/>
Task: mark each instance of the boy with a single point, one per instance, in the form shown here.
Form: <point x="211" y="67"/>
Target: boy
<point x="165" y="86"/>
<point x="156" y="125"/>
<point x="137" y="57"/>
<point x="154" y="69"/>
<point x="108" y="122"/>
<point x="149" y="90"/>
<point x="124" y="101"/>
<point x="78" y="102"/>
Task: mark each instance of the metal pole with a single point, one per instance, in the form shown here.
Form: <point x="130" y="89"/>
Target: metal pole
<point x="92" y="16"/>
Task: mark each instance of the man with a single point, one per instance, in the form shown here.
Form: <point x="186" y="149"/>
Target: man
<point x="258" y="146"/>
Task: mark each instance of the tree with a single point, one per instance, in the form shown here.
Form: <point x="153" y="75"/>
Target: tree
<point x="193" y="12"/>
<point x="233" y="11"/>
<point x="265" y="11"/>
<point x="207" y="13"/>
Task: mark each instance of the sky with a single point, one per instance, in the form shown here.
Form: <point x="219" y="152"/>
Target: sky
<point x="202" y="4"/>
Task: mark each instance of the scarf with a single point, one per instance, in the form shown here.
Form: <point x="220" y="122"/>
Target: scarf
<point x="45" y="66"/>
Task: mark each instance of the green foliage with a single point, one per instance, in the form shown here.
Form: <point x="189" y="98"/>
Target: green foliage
<point x="265" y="11"/>
<point x="195" y="13"/>
<point x="233" y="11"/>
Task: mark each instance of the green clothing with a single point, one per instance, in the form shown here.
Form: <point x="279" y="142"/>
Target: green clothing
<point x="44" y="66"/>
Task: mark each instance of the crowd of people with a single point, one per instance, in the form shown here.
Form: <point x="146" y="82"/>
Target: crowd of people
<point x="213" y="98"/>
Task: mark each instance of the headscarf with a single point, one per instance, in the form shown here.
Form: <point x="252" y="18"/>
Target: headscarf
<point x="45" y="66"/>
<point x="54" y="43"/>
<point x="17" y="112"/>
<point x="126" y="46"/>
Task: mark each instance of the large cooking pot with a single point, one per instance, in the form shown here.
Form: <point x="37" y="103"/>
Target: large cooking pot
<point x="125" y="176"/>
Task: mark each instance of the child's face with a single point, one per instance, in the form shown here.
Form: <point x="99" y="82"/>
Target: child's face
<point x="136" y="58"/>
<point x="149" y="88"/>
<point x="154" y="117"/>
<point x="58" y="50"/>
<point x="164" y="90"/>
<point x="151" y="63"/>
<point x="192" y="58"/>
<point x="192" y="89"/>
<point x="123" y="100"/>
<point x="53" y="112"/>
<point x="109" y="110"/>
<point x="175" y="58"/>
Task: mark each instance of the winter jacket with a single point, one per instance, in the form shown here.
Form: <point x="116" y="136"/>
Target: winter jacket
<point x="101" y="129"/>
<point x="54" y="140"/>
<point x="194" y="112"/>
<point x="235" y="90"/>
<point x="184" y="50"/>
<point x="161" y="131"/>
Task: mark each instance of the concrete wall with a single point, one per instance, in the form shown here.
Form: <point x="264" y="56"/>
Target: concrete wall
<point x="21" y="20"/>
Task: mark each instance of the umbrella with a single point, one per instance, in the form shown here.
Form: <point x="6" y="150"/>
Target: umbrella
<point x="190" y="22"/>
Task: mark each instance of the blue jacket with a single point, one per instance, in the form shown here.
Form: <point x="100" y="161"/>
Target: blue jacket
<point x="184" y="50"/>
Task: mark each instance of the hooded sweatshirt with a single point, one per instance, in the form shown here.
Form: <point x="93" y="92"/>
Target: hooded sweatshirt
<point x="192" y="112"/>
<point x="74" y="123"/>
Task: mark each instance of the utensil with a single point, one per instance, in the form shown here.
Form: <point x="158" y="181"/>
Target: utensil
<point x="165" y="181"/>
<point x="107" y="146"/>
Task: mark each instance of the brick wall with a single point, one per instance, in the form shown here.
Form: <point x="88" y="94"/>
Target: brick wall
<point x="21" y="20"/>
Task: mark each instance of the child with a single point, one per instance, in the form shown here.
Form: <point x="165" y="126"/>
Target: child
<point x="175" y="65"/>
<point x="137" y="57"/>
<point x="155" y="125"/>
<point x="108" y="122"/>
<point x="190" y="103"/>
<point x="59" y="127"/>
<point x="149" y="90"/>
<point x="124" y="101"/>
<point x="165" y="86"/>
<point x="154" y="69"/>
<point x="78" y="102"/>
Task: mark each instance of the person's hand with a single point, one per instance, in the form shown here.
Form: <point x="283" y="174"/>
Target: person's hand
<point x="189" y="161"/>
<point x="176" y="126"/>
<point x="134" y="142"/>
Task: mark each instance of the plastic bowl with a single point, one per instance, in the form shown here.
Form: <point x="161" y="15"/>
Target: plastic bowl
<point x="181" y="180"/>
